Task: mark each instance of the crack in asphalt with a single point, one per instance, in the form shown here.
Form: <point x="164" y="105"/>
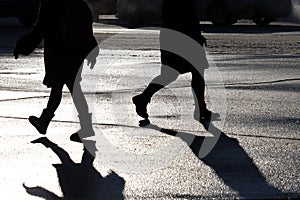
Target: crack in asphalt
<point x="264" y="82"/>
<point x="129" y="126"/>
<point x="140" y="89"/>
<point x="23" y="98"/>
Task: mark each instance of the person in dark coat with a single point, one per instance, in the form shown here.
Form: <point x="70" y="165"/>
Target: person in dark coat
<point x="178" y="16"/>
<point x="65" y="26"/>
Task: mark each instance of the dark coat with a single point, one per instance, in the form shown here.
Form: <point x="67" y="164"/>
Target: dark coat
<point x="181" y="16"/>
<point x="66" y="27"/>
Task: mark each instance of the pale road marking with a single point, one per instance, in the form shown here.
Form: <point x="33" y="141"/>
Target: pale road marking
<point x="151" y="31"/>
<point x="130" y="31"/>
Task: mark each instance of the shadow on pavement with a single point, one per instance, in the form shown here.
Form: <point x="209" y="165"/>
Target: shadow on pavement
<point x="231" y="163"/>
<point x="79" y="180"/>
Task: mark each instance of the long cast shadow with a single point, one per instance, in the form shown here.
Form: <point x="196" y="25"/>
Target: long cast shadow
<point x="79" y="180"/>
<point x="230" y="162"/>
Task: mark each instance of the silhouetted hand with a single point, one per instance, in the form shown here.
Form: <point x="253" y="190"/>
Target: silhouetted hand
<point x="205" y="43"/>
<point x="202" y="41"/>
<point x="16" y="54"/>
<point x="26" y="44"/>
<point x="91" y="62"/>
<point x="92" y="57"/>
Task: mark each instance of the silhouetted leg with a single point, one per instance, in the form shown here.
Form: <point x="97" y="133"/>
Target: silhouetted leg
<point x="167" y="76"/>
<point x="78" y="98"/>
<point x="198" y="89"/>
<point x="201" y="113"/>
<point x="41" y="123"/>
<point x="54" y="99"/>
<point x="83" y="110"/>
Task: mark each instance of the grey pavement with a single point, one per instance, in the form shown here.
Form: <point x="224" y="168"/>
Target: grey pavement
<point x="256" y="155"/>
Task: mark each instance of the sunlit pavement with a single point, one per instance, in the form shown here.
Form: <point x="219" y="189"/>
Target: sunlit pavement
<point x="256" y="156"/>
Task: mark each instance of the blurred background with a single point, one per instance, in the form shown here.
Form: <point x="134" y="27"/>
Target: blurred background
<point x="144" y="12"/>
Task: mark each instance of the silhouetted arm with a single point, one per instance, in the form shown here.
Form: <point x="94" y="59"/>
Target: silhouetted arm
<point x="26" y="44"/>
<point x="41" y="192"/>
<point x="60" y="152"/>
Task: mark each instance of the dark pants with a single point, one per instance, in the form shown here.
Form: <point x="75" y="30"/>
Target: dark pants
<point x="77" y="96"/>
<point x="169" y="75"/>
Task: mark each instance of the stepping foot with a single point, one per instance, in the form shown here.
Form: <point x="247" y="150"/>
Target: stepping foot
<point x="75" y="138"/>
<point x="144" y="122"/>
<point x="38" y="124"/>
<point x="140" y="105"/>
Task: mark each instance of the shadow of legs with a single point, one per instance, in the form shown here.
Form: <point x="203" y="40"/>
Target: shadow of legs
<point x="230" y="162"/>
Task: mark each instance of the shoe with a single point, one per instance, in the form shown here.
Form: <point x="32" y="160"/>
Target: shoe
<point x="144" y="122"/>
<point x="206" y="117"/>
<point x="140" y="103"/>
<point x="41" y="123"/>
<point x="75" y="138"/>
<point x="86" y="129"/>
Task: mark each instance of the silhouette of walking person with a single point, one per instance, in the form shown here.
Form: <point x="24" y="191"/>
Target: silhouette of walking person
<point x="66" y="28"/>
<point x="178" y="16"/>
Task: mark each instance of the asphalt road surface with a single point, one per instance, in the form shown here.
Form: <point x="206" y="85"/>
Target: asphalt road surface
<point x="252" y="153"/>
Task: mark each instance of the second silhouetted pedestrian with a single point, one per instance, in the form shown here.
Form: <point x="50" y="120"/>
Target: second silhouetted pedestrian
<point x="180" y="16"/>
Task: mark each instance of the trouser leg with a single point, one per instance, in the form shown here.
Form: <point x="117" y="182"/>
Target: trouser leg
<point x="41" y="123"/>
<point x="85" y="117"/>
<point x="54" y="99"/>
<point x="167" y="76"/>
<point x="198" y="89"/>
<point x="78" y="98"/>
